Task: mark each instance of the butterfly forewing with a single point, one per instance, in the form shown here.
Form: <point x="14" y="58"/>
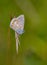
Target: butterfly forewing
<point x="21" y="21"/>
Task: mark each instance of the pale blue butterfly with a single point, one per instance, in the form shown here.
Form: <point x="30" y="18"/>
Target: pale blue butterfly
<point x="17" y="24"/>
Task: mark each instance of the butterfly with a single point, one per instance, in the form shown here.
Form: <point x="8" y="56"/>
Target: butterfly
<point x="17" y="24"/>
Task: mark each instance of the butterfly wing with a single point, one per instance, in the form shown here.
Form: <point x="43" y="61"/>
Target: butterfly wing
<point x="21" y="22"/>
<point x="17" y="24"/>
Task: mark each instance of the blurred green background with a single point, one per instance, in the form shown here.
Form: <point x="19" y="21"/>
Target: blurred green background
<point x="33" y="43"/>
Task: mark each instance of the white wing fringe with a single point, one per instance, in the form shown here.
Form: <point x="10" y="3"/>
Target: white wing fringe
<point x="17" y="41"/>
